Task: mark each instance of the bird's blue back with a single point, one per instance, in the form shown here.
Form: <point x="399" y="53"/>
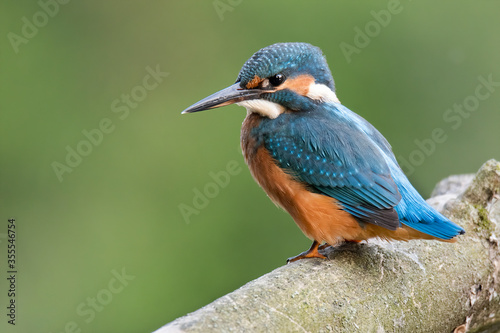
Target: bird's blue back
<point x="335" y="152"/>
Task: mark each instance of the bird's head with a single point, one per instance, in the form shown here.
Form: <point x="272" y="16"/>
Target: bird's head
<point x="277" y="78"/>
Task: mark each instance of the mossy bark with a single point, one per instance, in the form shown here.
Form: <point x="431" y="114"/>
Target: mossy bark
<point x="418" y="286"/>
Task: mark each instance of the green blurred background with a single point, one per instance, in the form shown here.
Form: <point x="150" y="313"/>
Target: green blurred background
<point x="119" y="207"/>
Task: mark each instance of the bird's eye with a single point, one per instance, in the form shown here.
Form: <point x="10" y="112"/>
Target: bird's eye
<point x="277" y="79"/>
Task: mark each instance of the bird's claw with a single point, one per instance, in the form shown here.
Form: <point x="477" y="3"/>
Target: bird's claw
<point x="311" y="253"/>
<point x="305" y="255"/>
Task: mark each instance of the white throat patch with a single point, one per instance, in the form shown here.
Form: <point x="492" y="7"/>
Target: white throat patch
<point x="321" y="92"/>
<point x="263" y="107"/>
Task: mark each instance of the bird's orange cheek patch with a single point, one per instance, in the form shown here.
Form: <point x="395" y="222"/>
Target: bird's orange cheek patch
<point x="299" y="84"/>
<point x="255" y="82"/>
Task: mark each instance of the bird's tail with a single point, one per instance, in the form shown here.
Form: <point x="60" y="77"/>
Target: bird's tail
<point x="417" y="214"/>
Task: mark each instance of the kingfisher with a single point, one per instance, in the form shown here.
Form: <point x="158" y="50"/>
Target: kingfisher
<point x="329" y="168"/>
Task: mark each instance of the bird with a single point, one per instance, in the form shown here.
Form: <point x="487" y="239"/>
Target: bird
<point x="328" y="167"/>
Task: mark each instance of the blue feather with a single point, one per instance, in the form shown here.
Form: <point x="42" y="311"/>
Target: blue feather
<point x="335" y="152"/>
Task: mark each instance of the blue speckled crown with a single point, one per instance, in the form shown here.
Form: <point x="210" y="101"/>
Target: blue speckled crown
<point x="286" y="58"/>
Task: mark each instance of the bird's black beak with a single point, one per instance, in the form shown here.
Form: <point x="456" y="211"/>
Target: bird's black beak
<point x="230" y="95"/>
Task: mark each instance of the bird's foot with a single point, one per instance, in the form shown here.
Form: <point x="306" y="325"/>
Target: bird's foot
<point x="311" y="253"/>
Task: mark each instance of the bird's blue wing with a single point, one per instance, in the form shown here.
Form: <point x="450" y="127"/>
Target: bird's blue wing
<point x="336" y="158"/>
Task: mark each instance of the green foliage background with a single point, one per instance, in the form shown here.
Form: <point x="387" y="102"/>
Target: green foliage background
<point x="120" y="207"/>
